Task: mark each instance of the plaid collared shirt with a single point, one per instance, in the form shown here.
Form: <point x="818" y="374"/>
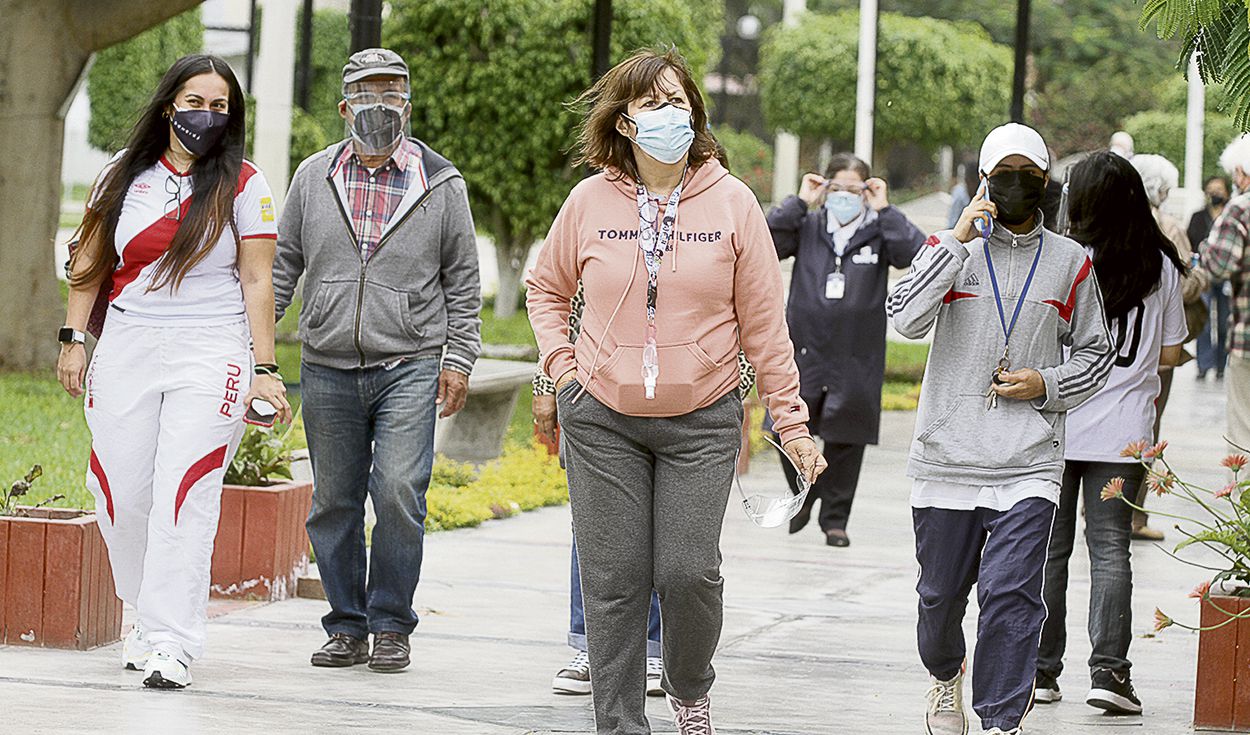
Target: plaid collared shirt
<point x="1226" y="257"/>
<point x="374" y="196"/>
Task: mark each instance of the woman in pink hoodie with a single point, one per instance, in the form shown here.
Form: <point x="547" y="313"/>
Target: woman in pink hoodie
<point x="679" y="272"/>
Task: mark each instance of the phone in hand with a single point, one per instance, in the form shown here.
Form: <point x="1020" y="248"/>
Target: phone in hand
<point x="983" y="221"/>
<point x="260" y="413"/>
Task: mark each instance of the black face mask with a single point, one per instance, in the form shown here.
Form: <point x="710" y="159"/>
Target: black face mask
<point x="1017" y="195"/>
<point x="1217" y="200"/>
<point x="198" y="130"/>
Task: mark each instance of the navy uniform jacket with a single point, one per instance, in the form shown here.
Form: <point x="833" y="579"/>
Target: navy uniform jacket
<point x="839" y="344"/>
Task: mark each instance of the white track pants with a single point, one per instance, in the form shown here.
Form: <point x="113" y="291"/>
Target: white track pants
<point x="164" y="405"/>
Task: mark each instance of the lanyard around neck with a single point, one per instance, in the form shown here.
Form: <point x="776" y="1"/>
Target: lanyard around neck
<point x="998" y="299"/>
<point x="653" y="238"/>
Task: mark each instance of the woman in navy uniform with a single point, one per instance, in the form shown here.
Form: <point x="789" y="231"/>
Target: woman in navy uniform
<point x="844" y="236"/>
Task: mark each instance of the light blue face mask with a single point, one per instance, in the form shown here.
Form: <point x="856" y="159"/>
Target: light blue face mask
<point x="664" y="134"/>
<point x="844" y="206"/>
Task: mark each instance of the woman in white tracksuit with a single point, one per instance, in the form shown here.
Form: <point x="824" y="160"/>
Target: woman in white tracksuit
<point x="174" y="263"/>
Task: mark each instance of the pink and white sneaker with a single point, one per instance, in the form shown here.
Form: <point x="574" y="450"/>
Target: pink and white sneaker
<point x="693" y="718"/>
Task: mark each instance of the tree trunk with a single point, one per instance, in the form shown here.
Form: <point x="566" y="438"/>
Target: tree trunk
<point x="44" y="47"/>
<point x="510" y="257"/>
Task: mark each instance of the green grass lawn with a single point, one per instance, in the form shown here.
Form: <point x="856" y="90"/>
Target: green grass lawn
<point x="41" y="424"/>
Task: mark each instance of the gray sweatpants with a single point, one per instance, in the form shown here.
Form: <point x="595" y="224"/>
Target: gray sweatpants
<point x="648" y="498"/>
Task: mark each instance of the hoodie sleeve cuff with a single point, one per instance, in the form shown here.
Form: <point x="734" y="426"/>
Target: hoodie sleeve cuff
<point x="1050" y="378"/>
<point x="950" y="242"/>
<point x="798" y="431"/>
<point x="559" y="362"/>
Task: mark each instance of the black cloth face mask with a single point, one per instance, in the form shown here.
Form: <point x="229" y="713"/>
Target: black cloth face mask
<point x="1017" y="195"/>
<point x="198" y="130"/>
<point x="1217" y="200"/>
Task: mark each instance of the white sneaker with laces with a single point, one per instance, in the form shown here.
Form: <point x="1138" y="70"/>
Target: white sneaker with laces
<point x="694" y="718"/>
<point x="135" y="650"/>
<point x="946" y="715"/>
<point x="574" y="678"/>
<point x="165" y="671"/>
<point x="655" y="676"/>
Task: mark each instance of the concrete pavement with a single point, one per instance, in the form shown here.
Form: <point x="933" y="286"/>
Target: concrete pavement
<point x="816" y="641"/>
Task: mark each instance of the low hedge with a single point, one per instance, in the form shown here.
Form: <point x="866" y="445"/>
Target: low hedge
<point x="525" y="477"/>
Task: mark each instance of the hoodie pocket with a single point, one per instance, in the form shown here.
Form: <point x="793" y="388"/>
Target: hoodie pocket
<point x="683" y="372"/>
<point x="1011" y="435"/>
<point x="386" y="326"/>
<point x="331" y="317"/>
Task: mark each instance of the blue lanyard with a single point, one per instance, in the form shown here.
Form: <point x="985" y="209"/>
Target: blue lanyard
<point x="998" y="299"/>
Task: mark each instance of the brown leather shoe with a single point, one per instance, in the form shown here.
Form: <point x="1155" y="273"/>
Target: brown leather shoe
<point x="342" y="650"/>
<point x="390" y="652"/>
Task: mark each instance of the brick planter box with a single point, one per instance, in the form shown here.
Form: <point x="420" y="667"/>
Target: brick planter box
<point x="56" y="585"/>
<point x="1222" y="694"/>
<point x="261" y="547"/>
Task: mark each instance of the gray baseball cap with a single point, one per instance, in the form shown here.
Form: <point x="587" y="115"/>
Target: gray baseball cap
<point x="374" y="62"/>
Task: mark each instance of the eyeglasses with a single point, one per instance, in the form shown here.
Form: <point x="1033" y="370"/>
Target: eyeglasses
<point x="390" y="99"/>
<point x="173" y="207"/>
<point x="850" y="188"/>
<point x="770" y="511"/>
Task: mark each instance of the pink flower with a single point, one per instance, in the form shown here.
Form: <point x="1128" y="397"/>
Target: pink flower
<point x="1202" y="591"/>
<point x="1226" y="491"/>
<point x="1162" y="484"/>
<point x="1113" y="489"/>
<point x="1235" y="462"/>
<point x="1155" y="451"/>
<point x="1162" y="621"/>
<point x="1134" y="450"/>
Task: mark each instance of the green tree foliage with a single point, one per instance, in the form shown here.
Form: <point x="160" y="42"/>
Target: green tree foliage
<point x="331" y="45"/>
<point x="938" y="82"/>
<point x="750" y="159"/>
<point x="124" y="76"/>
<point x="1218" y="31"/>
<point x="491" y="83"/>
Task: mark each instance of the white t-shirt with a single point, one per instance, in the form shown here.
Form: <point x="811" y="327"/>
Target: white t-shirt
<point x="955" y="496"/>
<point x="210" y="292"/>
<point x="1123" y="412"/>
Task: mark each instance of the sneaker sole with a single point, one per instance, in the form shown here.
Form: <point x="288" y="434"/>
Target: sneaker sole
<point x="654" y="688"/>
<point x="1046" y="696"/>
<point x="561" y="685"/>
<point x="156" y="681"/>
<point x="1105" y="699"/>
<point x="929" y="728"/>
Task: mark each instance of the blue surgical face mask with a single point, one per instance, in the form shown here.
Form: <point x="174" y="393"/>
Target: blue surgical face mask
<point x="844" y="206"/>
<point x="664" y="134"/>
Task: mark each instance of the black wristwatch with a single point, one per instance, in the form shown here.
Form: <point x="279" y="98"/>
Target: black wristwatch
<point x="69" y="336"/>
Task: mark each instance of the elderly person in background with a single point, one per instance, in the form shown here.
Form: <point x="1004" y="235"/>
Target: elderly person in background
<point x="1213" y="340"/>
<point x="1160" y="176"/>
<point x="1226" y="257"/>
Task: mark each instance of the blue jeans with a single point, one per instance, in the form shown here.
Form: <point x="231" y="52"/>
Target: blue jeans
<point x="577" y="614"/>
<point x="369" y="432"/>
<point x="1214" y="353"/>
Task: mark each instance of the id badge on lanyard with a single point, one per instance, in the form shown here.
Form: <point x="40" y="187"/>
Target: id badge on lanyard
<point x="835" y="283"/>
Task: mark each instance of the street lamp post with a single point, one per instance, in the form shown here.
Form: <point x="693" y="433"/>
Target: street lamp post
<point x="866" y="82"/>
<point x="365" y="24"/>
<point x="1022" y="60"/>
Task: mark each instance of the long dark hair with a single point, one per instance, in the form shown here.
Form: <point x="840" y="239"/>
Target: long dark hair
<point x="600" y="145"/>
<point x="216" y="177"/>
<point x="1108" y="211"/>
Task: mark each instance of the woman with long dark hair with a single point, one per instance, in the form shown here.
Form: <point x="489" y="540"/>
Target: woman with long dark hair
<point x="174" y="262"/>
<point x="1139" y="272"/>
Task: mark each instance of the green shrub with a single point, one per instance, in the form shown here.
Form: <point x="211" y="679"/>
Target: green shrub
<point x="750" y="159"/>
<point x="524" y="478"/>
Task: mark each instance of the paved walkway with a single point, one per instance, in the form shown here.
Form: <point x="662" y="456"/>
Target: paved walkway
<point x="817" y="641"/>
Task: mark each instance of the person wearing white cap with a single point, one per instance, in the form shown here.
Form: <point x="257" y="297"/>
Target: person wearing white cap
<point x="1122" y="144"/>
<point x="1019" y="339"/>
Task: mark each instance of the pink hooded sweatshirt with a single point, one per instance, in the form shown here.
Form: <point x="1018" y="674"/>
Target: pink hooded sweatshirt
<point x="719" y="288"/>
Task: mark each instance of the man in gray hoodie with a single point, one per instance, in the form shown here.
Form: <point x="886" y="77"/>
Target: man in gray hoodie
<point x="1020" y="338"/>
<point x="379" y="225"/>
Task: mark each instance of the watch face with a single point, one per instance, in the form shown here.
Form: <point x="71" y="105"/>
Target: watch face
<point x="68" y="335"/>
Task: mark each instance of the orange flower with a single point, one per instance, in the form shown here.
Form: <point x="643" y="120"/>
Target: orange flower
<point x="1162" y="621"/>
<point x="1202" y="591"/>
<point x="1235" y="462"/>
<point x="1162" y="484"/>
<point x="1155" y="451"/>
<point x="1113" y="489"/>
<point x="1226" y="491"/>
<point x="1134" y="450"/>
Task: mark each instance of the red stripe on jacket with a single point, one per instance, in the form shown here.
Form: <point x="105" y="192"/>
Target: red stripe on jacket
<point x="204" y="465"/>
<point x="1066" y="308"/>
<point x="954" y="295"/>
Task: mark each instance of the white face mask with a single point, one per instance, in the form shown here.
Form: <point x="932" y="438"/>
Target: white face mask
<point x="664" y="134"/>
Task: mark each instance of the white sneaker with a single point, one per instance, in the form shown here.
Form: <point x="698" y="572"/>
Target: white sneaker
<point x="655" y="676"/>
<point x="945" y="715"/>
<point x="135" y="650"/>
<point x="694" y="718"/>
<point x="998" y="731"/>
<point x="165" y="671"/>
<point x="574" y="678"/>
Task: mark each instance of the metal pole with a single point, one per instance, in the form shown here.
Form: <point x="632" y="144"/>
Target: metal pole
<point x="786" y="149"/>
<point x="251" y="43"/>
<point x="1194" y="133"/>
<point x="601" y="32"/>
<point x="303" y="77"/>
<point x="1022" y="60"/>
<point x="866" y="83"/>
<point x="366" y="24"/>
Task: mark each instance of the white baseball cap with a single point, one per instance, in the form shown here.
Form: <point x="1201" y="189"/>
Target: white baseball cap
<point x="1010" y="140"/>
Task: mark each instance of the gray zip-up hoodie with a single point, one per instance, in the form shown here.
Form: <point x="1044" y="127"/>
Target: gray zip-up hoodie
<point x="418" y="295"/>
<point x="957" y="439"/>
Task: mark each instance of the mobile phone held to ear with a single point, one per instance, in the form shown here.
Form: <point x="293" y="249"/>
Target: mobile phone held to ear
<point x="260" y="413"/>
<point x="983" y="221"/>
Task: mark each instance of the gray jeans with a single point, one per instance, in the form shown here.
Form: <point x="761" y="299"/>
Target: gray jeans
<point x="1107" y="527"/>
<point x="648" y="497"/>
